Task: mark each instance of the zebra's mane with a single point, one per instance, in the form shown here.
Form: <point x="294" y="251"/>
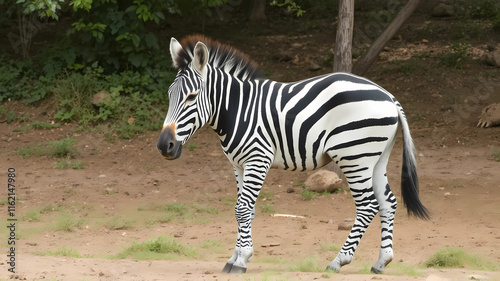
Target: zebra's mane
<point x="221" y="56"/>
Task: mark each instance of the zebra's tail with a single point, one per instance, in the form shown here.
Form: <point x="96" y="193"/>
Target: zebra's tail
<point x="409" y="179"/>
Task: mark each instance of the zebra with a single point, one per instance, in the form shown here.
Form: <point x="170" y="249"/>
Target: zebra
<point x="298" y="126"/>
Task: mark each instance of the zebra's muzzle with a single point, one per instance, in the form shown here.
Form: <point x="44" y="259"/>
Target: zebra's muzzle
<point x="168" y="145"/>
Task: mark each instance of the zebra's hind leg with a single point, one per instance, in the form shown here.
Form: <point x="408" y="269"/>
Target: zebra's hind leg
<point x="387" y="210"/>
<point x="360" y="183"/>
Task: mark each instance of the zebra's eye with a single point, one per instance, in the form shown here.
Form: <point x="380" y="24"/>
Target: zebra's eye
<point x="191" y="97"/>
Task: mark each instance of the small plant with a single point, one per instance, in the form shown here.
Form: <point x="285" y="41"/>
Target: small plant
<point x="119" y="223"/>
<point x="308" y="264"/>
<point x="50" y="208"/>
<point x="211" y="244"/>
<point x="307" y="194"/>
<point x="77" y="165"/>
<point x="61" y="164"/>
<point x="495" y="154"/>
<point x="192" y="146"/>
<point x="55" y="149"/>
<point x="157" y="248"/>
<point x="266" y="195"/>
<point x="63" y="251"/>
<point x="456" y="56"/>
<point x="266" y="208"/>
<point x="458" y="258"/>
<point x="329" y="247"/>
<point x="62" y="148"/>
<point x="66" y="222"/>
<point x="405" y="270"/>
<point x="32" y="215"/>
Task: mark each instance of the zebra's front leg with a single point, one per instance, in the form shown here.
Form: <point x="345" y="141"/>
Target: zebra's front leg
<point x="239" y="253"/>
<point x="249" y="182"/>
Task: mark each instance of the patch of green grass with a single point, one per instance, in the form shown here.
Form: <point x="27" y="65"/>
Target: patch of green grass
<point x="365" y="270"/>
<point x="229" y="200"/>
<point x="37" y="126"/>
<point x="61" y="164"/>
<point x="405" y="269"/>
<point x="265" y="195"/>
<point x="411" y="66"/>
<point x="66" y="222"/>
<point x="62" y="251"/>
<point x="149" y="222"/>
<point x="329" y="247"/>
<point x="307" y="194"/>
<point x="495" y="154"/>
<point x="192" y="146"/>
<point x="177" y="211"/>
<point x="51" y="208"/>
<point x="176" y="208"/>
<point x="78" y="165"/>
<point x="62" y="148"/>
<point x="458" y="258"/>
<point x="119" y="223"/>
<point x="266" y="208"/>
<point x="157" y="248"/>
<point x="308" y="264"/>
<point x="55" y="149"/>
<point x="456" y="56"/>
<point x="32" y="215"/>
<point x="210" y="244"/>
<point x="203" y="210"/>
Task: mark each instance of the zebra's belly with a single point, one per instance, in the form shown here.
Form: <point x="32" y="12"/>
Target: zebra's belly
<point x="320" y="161"/>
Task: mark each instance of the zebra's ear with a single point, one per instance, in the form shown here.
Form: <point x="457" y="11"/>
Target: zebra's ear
<point x="175" y="48"/>
<point x="200" y="59"/>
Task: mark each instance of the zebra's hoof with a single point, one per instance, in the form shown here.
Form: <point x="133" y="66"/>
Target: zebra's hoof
<point x="331" y="268"/>
<point x="238" y="269"/>
<point x="227" y="267"/>
<point x="376" y="271"/>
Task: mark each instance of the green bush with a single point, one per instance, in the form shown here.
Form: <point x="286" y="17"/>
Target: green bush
<point x="456" y="56"/>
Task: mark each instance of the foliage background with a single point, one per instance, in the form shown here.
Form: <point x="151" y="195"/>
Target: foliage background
<point x="86" y="46"/>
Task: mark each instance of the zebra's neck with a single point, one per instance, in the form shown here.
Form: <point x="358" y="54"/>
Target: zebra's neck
<point x="232" y="102"/>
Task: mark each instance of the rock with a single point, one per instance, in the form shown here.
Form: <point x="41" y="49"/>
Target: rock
<point x="493" y="57"/>
<point x="314" y="67"/>
<point x="443" y="10"/>
<point x="282" y="56"/>
<point x="490" y="116"/>
<point x="101" y="98"/>
<point x="323" y="180"/>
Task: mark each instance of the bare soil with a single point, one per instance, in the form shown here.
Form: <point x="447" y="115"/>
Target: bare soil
<point x="459" y="184"/>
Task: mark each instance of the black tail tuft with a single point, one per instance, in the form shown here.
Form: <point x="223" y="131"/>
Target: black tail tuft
<point x="409" y="187"/>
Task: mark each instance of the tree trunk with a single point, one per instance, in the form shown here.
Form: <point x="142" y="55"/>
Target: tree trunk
<point x="343" y="43"/>
<point x="257" y="11"/>
<point x="369" y="57"/>
<point x="342" y="61"/>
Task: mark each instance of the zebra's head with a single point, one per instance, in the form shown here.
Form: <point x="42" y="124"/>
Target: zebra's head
<point x="188" y="105"/>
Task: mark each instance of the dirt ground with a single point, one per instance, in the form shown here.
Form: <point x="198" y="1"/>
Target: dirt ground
<point x="459" y="184"/>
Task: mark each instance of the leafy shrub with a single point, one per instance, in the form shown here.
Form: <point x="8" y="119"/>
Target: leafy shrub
<point x="18" y="81"/>
<point x="456" y="56"/>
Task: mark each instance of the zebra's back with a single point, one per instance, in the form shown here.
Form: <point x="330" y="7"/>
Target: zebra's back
<point x="338" y="111"/>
